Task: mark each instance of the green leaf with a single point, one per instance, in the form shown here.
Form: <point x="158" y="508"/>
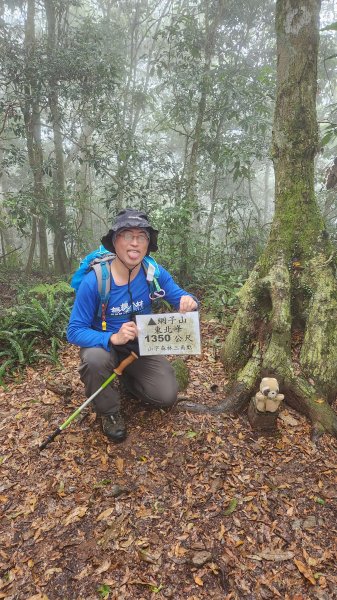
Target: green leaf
<point x="328" y="137"/>
<point x="143" y="458"/>
<point x="231" y="507"/>
<point x="191" y="434"/>
<point x="155" y="589"/>
<point x="331" y="27"/>
<point x="104" y="591"/>
<point x="102" y="483"/>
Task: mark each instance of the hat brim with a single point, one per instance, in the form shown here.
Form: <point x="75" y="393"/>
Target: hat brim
<point x="108" y="243"/>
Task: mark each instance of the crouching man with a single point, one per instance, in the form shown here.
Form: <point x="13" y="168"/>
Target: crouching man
<point x="105" y="341"/>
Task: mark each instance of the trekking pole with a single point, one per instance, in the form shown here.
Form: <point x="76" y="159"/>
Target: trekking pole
<point x="117" y="371"/>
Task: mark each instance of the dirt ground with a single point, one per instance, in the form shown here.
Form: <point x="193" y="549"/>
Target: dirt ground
<point x="188" y="507"/>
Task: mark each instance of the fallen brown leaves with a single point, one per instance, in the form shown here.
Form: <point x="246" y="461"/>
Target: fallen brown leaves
<point x="188" y="507"/>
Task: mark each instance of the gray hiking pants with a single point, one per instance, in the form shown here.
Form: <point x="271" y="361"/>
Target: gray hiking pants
<point x="150" y="378"/>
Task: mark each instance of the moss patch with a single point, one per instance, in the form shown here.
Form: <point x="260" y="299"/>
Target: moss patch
<point x="182" y="373"/>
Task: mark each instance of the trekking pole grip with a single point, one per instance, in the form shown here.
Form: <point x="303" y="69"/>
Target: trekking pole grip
<point x="127" y="361"/>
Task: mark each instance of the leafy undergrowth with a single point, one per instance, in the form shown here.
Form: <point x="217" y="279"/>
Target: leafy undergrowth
<point x="188" y="507"/>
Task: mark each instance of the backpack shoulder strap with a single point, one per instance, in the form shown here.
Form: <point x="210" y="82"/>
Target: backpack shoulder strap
<point x="103" y="279"/>
<point x="101" y="266"/>
<point x="151" y="270"/>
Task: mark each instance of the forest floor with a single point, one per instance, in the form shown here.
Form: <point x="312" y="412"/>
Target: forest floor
<point x="189" y="507"/>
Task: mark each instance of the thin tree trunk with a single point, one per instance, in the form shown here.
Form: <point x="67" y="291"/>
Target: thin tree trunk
<point x="7" y="238"/>
<point x="85" y="232"/>
<point x="210" y="218"/>
<point x="30" y="259"/>
<point x="190" y="204"/>
<point x="43" y="245"/>
<point x="32" y="120"/>
<point x="132" y="112"/>
<point x="3" y="247"/>
<point x="61" y="262"/>
<point x="213" y="196"/>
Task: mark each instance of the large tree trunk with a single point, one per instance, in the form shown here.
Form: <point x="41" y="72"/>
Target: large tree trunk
<point x="292" y="289"/>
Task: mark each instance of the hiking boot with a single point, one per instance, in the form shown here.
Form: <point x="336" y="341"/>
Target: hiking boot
<point x="114" y="427"/>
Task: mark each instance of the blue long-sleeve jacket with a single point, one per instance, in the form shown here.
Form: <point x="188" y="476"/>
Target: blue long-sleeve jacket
<point x="85" y="326"/>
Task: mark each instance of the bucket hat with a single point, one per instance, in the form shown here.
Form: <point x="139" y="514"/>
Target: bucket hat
<point x="129" y="218"/>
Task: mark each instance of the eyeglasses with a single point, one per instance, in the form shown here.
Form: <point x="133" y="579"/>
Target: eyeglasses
<point x="128" y="236"/>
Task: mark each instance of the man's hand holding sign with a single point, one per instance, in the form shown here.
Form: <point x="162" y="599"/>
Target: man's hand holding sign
<point x="187" y="304"/>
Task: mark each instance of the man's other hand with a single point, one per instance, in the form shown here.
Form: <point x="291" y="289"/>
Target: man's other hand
<point x="187" y="304"/>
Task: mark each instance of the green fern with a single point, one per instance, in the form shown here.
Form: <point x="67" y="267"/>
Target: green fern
<point x="34" y="330"/>
<point x="4" y="368"/>
<point x="48" y="318"/>
<point x="45" y="290"/>
<point x="53" y="354"/>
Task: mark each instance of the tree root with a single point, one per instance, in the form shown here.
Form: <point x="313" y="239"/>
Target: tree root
<point x="239" y="394"/>
<point x="240" y="339"/>
<point x="272" y="355"/>
<point x="303" y="397"/>
<point x="298" y="394"/>
<point x="237" y="399"/>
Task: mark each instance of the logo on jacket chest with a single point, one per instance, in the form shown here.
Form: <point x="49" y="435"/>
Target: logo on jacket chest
<point x="125" y="308"/>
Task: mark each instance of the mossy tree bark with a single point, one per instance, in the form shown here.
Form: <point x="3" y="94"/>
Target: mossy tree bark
<point x="292" y="290"/>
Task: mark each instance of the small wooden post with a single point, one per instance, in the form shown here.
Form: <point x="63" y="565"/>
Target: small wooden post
<point x="264" y="423"/>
